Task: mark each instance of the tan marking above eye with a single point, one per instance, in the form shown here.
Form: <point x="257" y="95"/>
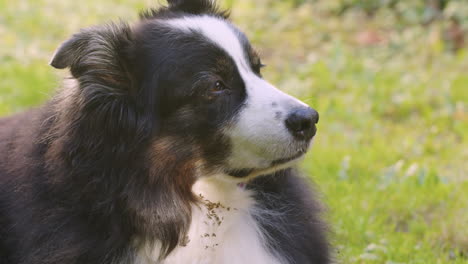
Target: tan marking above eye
<point x="224" y="63"/>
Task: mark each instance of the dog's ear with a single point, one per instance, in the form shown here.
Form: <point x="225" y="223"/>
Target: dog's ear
<point x="107" y="97"/>
<point x="64" y="55"/>
<point x="191" y="6"/>
<point x="100" y="53"/>
<point x="196" y="7"/>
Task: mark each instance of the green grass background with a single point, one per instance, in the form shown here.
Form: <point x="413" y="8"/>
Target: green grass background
<point x="391" y="155"/>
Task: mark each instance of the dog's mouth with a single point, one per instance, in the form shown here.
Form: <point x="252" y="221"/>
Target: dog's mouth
<point x="274" y="166"/>
<point x="298" y="154"/>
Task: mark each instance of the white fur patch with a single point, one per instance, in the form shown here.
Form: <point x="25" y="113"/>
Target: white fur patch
<point x="222" y="231"/>
<point x="258" y="135"/>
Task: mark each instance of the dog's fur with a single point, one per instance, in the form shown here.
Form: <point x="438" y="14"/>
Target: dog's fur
<point x="164" y="146"/>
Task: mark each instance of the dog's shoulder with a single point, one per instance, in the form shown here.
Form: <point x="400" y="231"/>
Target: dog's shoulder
<point x="18" y="136"/>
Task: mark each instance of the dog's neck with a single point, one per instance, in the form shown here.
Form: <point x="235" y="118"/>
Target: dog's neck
<point x="219" y="188"/>
<point x="224" y="228"/>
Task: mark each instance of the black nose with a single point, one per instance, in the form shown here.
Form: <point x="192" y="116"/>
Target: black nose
<point x="301" y="123"/>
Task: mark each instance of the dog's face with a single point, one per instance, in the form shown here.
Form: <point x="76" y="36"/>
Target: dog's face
<point x="192" y="74"/>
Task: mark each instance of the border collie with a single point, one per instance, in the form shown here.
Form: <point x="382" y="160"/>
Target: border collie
<point x="166" y="146"/>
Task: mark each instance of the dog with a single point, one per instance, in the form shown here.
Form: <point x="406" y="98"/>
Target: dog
<point x="165" y="145"/>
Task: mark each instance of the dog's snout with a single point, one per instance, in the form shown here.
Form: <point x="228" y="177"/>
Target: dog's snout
<point x="301" y="123"/>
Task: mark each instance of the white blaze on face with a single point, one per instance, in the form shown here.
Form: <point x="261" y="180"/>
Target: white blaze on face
<point x="258" y="133"/>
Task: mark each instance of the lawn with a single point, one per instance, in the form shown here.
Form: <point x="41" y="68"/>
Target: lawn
<point x="391" y="156"/>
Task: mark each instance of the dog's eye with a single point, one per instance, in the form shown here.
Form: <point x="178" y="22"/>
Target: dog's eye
<point x="219" y="86"/>
<point x="258" y="66"/>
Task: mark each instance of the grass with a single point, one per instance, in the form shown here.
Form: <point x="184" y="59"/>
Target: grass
<point x="391" y="155"/>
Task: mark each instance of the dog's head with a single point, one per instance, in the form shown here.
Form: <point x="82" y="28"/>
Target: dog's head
<point x="185" y="75"/>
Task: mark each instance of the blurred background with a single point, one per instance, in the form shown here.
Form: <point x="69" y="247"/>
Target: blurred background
<point x="389" y="78"/>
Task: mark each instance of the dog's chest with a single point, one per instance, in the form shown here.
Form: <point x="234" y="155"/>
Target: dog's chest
<point x="223" y="230"/>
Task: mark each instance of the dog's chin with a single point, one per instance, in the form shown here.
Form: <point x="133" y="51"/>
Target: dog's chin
<point x="246" y="174"/>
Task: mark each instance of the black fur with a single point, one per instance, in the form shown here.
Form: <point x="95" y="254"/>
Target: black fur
<point x="301" y="237"/>
<point x="195" y="7"/>
<point x="113" y="157"/>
